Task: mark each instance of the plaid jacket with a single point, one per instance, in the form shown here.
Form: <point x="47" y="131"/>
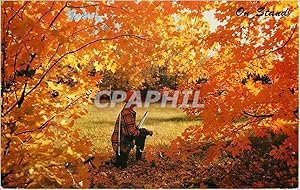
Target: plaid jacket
<point x="129" y="130"/>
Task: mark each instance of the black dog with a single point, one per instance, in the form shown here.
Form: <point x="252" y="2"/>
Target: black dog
<point x="140" y="142"/>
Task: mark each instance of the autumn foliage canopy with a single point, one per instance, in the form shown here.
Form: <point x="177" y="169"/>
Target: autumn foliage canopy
<point x="56" y="55"/>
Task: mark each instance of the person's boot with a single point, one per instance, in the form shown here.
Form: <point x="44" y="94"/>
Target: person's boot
<point x="117" y="161"/>
<point x="123" y="159"/>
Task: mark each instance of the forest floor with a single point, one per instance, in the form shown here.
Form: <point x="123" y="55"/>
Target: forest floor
<point x="166" y="123"/>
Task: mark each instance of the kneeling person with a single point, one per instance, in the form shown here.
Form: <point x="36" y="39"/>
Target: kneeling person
<point x="125" y="132"/>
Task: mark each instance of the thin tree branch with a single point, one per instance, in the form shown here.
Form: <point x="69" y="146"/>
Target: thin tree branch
<point x="52" y="55"/>
<point x="60" y="11"/>
<point x="40" y="18"/>
<point x="9" y="21"/>
<point x="20" y="102"/>
<point x="84" y="6"/>
<point x="17" y="13"/>
<point x="258" y="116"/>
<point x="15" y="62"/>
<point x="91" y="26"/>
<point x="42" y="126"/>
<point x="271" y="51"/>
<point x="64" y="55"/>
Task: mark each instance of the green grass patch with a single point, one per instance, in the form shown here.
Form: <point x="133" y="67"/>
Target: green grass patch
<point x="166" y="124"/>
